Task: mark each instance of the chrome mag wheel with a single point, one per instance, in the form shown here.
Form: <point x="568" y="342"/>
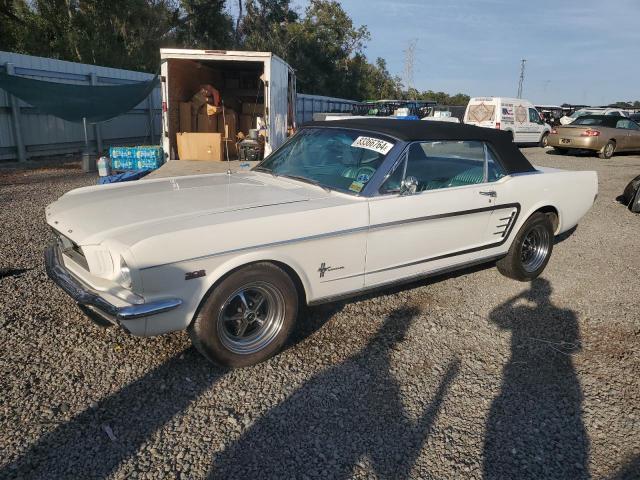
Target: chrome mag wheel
<point x="251" y="318"/>
<point x="535" y="248"/>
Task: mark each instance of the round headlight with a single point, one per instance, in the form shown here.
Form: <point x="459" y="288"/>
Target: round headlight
<point x="124" y="276"/>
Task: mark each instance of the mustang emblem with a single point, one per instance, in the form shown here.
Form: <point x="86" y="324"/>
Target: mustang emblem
<point x="196" y="274"/>
<point x="324" y="269"/>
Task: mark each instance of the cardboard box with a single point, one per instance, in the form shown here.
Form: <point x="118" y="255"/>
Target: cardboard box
<point x="253" y="108"/>
<point x="199" y="146"/>
<point x="187" y="122"/>
<point x="207" y="123"/>
<point x="246" y="123"/>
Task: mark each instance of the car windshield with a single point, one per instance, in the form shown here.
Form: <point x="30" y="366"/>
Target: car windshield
<point x="336" y="159"/>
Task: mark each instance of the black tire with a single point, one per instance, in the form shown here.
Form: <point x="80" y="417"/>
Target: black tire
<point x="544" y="140"/>
<point x="525" y="262"/>
<point x="560" y="151"/>
<point x="608" y="150"/>
<point x="224" y="338"/>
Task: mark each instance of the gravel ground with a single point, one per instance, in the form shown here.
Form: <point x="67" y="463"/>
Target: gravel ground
<point x="470" y="375"/>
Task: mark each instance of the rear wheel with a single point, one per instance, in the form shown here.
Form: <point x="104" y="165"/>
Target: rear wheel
<point x="608" y="150"/>
<point x="247" y="317"/>
<point x="530" y="250"/>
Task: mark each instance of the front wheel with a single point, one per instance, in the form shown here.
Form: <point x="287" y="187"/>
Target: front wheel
<point x="530" y="250"/>
<point x="247" y="317"/>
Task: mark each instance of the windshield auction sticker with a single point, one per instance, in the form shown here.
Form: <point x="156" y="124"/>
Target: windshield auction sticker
<point x="374" y="144"/>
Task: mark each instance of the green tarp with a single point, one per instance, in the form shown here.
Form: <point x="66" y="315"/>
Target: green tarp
<point x="75" y="102"/>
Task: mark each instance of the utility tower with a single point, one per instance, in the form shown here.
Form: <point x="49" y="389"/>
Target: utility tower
<point x="409" y="60"/>
<point x="524" y="60"/>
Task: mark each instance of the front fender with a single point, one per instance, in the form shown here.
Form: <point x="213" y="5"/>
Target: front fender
<point x="186" y="280"/>
<point x="238" y="261"/>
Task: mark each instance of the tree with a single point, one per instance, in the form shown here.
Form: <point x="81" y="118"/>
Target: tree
<point x="322" y="44"/>
<point x="119" y="33"/>
<point x="15" y="25"/>
<point x="205" y="24"/>
<point x="264" y="26"/>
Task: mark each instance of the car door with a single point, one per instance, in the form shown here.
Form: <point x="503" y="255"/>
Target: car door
<point x="627" y="135"/>
<point x="520" y="127"/>
<point x="535" y="126"/>
<point x="634" y="136"/>
<point x="448" y="220"/>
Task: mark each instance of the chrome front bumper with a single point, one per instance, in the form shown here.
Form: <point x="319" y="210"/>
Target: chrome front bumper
<point x="92" y="301"/>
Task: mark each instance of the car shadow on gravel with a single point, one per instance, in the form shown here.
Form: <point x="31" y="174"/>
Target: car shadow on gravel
<point x="96" y="441"/>
<point x="534" y="428"/>
<point x="629" y="471"/>
<point x="313" y="318"/>
<point x="564" y="236"/>
<point x="343" y="418"/>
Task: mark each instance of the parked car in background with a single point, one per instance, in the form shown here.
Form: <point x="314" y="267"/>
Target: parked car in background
<point x="567" y="119"/>
<point x="550" y="113"/>
<point x="635" y="117"/>
<point x="343" y="207"/>
<point x="514" y="115"/>
<point x="441" y="116"/>
<point x="604" y="134"/>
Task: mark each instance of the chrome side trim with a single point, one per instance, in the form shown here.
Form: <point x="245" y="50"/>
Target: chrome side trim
<point x="84" y="295"/>
<point x="350" y="231"/>
<point x="446" y="215"/>
<point x="413" y="278"/>
<point x="268" y="245"/>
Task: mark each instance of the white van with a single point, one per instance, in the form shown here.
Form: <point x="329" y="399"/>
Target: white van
<point x="514" y="115"/>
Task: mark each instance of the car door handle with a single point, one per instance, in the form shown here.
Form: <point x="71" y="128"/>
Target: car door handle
<point x="489" y="193"/>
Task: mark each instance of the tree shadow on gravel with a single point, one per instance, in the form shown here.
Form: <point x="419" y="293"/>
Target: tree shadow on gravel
<point x="534" y="428"/>
<point x="351" y="414"/>
<point x="82" y="448"/>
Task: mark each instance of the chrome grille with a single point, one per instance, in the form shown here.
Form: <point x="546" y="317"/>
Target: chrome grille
<point x="71" y="249"/>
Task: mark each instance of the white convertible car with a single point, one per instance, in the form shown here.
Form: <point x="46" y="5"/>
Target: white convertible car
<point x="343" y="207"/>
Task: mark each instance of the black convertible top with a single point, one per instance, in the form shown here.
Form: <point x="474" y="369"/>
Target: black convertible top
<point x="511" y="158"/>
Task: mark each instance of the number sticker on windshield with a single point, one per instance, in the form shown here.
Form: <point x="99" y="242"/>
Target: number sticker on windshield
<point x="374" y="144"/>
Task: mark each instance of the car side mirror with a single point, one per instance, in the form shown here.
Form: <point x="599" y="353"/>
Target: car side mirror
<point x="408" y="186"/>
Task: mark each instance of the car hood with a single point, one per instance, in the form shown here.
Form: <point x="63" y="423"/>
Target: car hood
<point x="90" y="214"/>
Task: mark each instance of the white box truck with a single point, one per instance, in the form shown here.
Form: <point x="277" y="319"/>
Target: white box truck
<point x="259" y="81"/>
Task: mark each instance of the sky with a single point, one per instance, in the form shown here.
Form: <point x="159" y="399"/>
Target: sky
<point x="577" y="51"/>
